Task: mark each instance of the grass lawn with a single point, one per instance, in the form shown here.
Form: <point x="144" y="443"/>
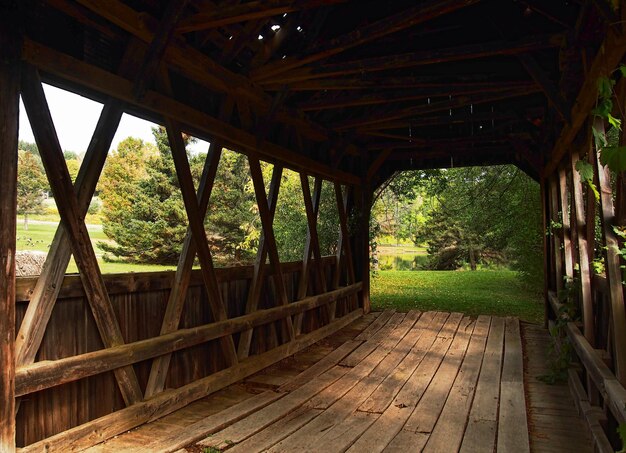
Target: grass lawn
<point x="474" y="293"/>
<point x="39" y="236"/>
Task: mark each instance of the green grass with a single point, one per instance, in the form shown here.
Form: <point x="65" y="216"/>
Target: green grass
<point x="39" y="236"/>
<point x="476" y="293"/>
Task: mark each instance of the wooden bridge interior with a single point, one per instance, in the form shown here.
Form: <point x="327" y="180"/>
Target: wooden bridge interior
<point x="348" y="92"/>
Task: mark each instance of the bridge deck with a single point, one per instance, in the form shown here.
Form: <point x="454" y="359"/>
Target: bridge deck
<point x="389" y="382"/>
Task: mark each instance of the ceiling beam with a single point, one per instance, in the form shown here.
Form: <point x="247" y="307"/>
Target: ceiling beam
<point x="422" y="58"/>
<point x="415" y="15"/>
<point x="197" y="66"/>
<point x="447" y="104"/>
<point x="380" y="83"/>
<point x="386" y="98"/>
<point x="244" y="12"/>
<point x="547" y="86"/>
<point x="162" y="37"/>
<point x="609" y="56"/>
<point x="195" y="122"/>
<point x="443" y="120"/>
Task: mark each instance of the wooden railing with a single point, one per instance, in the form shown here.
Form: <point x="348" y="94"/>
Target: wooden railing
<point x="69" y="398"/>
<point x="599" y="397"/>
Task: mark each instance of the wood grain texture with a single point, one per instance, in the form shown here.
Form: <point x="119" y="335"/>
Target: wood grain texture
<point x="10" y="43"/>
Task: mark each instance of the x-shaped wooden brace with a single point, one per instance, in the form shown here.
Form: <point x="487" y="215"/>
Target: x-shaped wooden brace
<point x="74" y="225"/>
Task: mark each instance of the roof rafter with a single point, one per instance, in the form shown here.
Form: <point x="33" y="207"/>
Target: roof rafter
<point x="244" y="12"/>
<point x="422" y="58"/>
<point x="454" y="103"/>
<point x="356" y="100"/>
<point x="199" y="67"/>
<point x="415" y="15"/>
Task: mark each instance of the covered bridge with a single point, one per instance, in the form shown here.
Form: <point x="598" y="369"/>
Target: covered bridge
<point x="348" y="92"/>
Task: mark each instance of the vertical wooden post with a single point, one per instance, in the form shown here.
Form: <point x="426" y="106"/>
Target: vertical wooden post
<point x="361" y="239"/>
<point x="612" y="263"/>
<point x="565" y="221"/>
<point x="547" y="251"/>
<point x="10" y="46"/>
<point x="556" y="240"/>
<point x="578" y="206"/>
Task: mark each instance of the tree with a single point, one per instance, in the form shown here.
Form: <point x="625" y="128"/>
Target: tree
<point x="28" y="146"/>
<point x="143" y="209"/>
<point x="232" y="223"/>
<point x="72" y="167"/>
<point x="31" y="183"/>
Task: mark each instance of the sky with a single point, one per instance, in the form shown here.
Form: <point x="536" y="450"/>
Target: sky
<point x="75" y="119"/>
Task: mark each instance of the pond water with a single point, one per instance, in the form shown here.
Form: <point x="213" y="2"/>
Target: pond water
<point x="402" y="262"/>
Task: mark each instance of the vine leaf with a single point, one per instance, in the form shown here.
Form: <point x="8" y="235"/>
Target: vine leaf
<point x="614" y="157"/>
<point x="622" y="69"/>
<point x="585" y="169"/>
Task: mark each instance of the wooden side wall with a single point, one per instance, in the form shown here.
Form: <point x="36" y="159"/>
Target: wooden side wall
<point x="139" y="302"/>
<point x="95" y="355"/>
<point x="585" y="290"/>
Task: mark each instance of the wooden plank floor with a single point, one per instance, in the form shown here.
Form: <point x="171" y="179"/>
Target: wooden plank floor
<point x="389" y="382"/>
<point x="553" y="421"/>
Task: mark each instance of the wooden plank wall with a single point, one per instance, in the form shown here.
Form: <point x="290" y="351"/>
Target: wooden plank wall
<point x="139" y="303"/>
<point x="95" y="356"/>
<point x="585" y="306"/>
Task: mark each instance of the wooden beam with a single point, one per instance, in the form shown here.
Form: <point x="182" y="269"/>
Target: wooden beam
<point x="556" y="240"/>
<point x="547" y="86"/>
<point x="176" y="299"/>
<point x="565" y="222"/>
<point x="612" y="263"/>
<point x="381" y="116"/>
<point x="258" y="278"/>
<point x="610" y="54"/>
<point x="10" y="45"/>
<point x="147" y="71"/>
<point x="253" y="10"/>
<point x="268" y="234"/>
<point x="197" y="66"/>
<point x="425" y="11"/>
<point x="344" y="238"/>
<point x="387" y="83"/>
<point x="421" y="58"/>
<point x="444" y="120"/>
<point x="312" y="247"/>
<point x="198" y="123"/>
<point x="49" y="283"/>
<point x="578" y="205"/>
<point x="67" y="203"/>
<point x="196" y="225"/>
<point x="50" y="373"/>
<point x="103" y="428"/>
<point x="377" y="98"/>
<point x="378" y="162"/>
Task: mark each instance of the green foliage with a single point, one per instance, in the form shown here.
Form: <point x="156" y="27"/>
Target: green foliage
<point x="143" y="210"/>
<point x="585" y="170"/>
<point x="232" y="222"/>
<point x="31" y="183"/>
<point x="469" y="215"/>
<point x="70" y="155"/>
<point x="28" y="146"/>
<point x="72" y="167"/>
